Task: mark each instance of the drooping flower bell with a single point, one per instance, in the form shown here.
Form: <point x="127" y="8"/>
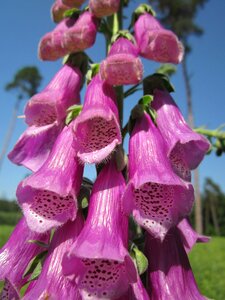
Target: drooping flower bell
<point x="169" y="272"/>
<point x="189" y="236"/>
<point x="122" y="65"/>
<point x="48" y="197"/>
<point x="99" y="260"/>
<point x="50" y="46"/>
<point x="73" y="3"/>
<point x="17" y="253"/>
<point x="156" y="196"/>
<point x="34" y="146"/>
<point x="52" y="103"/>
<point x="97" y="127"/>
<point x="45" y="113"/>
<point x="82" y="34"/>
<point x="103" y="8"/>
<point x="51" y="283"/>
<point x="9" y="291"/>
<point x="57" y="10"/>
<point x="155" y="42"/>
<point x="186" y="148"/>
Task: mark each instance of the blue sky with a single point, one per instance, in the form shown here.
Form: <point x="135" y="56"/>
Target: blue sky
<point x="23" y="23"/>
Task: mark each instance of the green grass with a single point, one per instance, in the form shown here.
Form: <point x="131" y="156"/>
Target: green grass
<point x="5" y="231"/>
<point x="208" y="264"/>
<point x="207" y="261"/>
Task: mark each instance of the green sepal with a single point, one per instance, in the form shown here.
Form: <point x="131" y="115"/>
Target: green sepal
<point x="140" y="10"/>
<point x="79" y="60"/>
<point x="84" y="203"/>
<point x="121" y="158"/>
<point x="39" y="243"/>
<point x="157" y="81"/>
<point x="33" y="264"/>
<point x="104" y="28"/>
<point x="124" y="34"/>
<point x="71" y="13"/>
<point x="152" y="113"/>
<point x="146" y="100"/>
<point x="73" y="112"/>
<point x="166" y="69"/>
<point x="94" y="69"/>
<point x="85" y="192"/>
<point x="140" y="259"/>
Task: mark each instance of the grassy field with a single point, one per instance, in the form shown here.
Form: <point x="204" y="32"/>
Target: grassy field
<point x="207" y="260"/>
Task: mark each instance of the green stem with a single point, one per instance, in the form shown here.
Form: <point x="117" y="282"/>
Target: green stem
<point x="118" y="25"/>
<point x="210" y="133"/>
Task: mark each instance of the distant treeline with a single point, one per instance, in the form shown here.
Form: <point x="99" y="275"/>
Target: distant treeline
<point x="10" y="212"/>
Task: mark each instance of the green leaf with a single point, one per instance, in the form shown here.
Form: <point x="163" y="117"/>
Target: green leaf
<point x="157" y="81"/>
<point x="166" y="69"/>
<point x="71" y="12"/>
<point x="140" y="259"/>
<point x="84" y="203"/>
<point x="34" y="262"/>
<point x="142" y="9"/>
<point x="121" y="158"/>
<point x="137" y="112"/>
<point x="146" y="100"/>
<point x="94" y="69"/>
<point x="39" y="243"/>
<point x="122" y="33"/>
<point x="73" y="112"/>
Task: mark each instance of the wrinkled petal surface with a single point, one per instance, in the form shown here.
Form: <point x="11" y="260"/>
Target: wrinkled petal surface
<point x="169" y="273"/>
<point x="17" y="253"/>
<point x="52" y="103"/>
<point x="103" y="8"/>
<point x="52" y="284"/>
<point x="34" y="146"/>
<point x="186" y="148"/>
<point x="122" y="66"/>
<point x="50" y="46"/>
<point x="155" y="195"/>
<point x="9" y="292"/>
<point x="73" y="3"/>
<point x="105" y="267"/>
<point x="97" y="127"/>
<point x="48" y="197"/>
<point x="189" y="236"/>
<point x="155" y="42"/>
<point x="82" y="34"/>
<point x="57" y="11"/>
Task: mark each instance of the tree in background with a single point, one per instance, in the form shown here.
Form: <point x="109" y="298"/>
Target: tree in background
<point x="179" y="16"/>
<point x="25" y="82"/>
<point x="213" y="208"/>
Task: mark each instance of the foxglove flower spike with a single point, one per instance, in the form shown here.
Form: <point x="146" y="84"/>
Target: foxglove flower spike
<point x="17" y="253"/>
<point x="103" y="8"/>
<point x="155" y="42"/>
<point x="189" y="236"/>
<point x="122" y="65"/>
<point x="169" y="274"/>
<point x="186" y="148"/>
<point x="34" y="146"/>
<point x="49" y="197"/>
<point x="105" y="267"/>
<point x="52" y="103"/>
<point x="156" y="196"/>
<point x="52" y="284"/>
<point x="97" y="127"/>
<point x="82" y="34"/>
